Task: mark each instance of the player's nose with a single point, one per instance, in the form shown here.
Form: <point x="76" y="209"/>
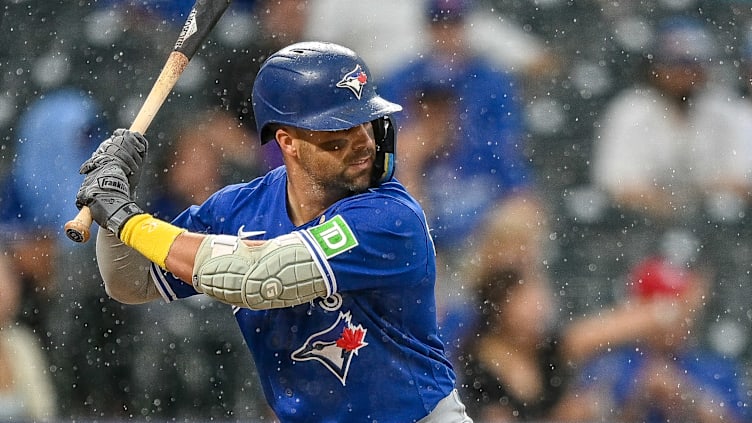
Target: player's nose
<point x="363" y="137"/>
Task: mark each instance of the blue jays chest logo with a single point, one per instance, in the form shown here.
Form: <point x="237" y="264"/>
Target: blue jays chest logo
<point x="335" y="346"/>
<point x="354" y="81"/>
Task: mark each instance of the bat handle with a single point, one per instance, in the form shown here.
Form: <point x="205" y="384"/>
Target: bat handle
<point x="79" y="228"/>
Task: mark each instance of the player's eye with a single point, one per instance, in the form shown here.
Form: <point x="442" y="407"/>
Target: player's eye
<point x="333" y="145"/>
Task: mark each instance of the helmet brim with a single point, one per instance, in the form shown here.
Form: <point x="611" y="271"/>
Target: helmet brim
<point x="339" y="119"/>
<point x="349" y="117"/>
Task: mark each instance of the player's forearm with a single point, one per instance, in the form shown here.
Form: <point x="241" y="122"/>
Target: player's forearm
<point x="170" y="247"/>
<point x="182" y="255"/>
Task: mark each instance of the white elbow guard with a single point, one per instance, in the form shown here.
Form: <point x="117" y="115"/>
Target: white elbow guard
<point x="278" y="273"/>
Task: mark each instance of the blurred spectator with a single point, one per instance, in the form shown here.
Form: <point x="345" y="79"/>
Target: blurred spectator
<point x="26" y="390"/>
<point x="675" y="142"/>
<point x="668" y="376"/>
<point x="518" y="358"/>
<point x="511" y="237"/>
<point x="36" y="194"/>
<point x="460" y="148"/>
<point x="391" y="33"/>
<point x="214" y="151"/>
<point x="278" y="23"/>
<point x="36" y="188"/>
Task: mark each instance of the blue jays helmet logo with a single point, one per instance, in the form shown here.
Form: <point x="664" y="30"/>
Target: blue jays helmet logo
<point x="354" y="81"/>
<point x="335" y="346"/>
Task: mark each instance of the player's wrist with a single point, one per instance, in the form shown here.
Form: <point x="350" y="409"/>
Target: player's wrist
<point x="121" y="216"/>
<point x="150" y="236"/>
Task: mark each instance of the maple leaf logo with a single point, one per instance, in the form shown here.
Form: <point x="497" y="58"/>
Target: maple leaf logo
<point x="352" y="338"/>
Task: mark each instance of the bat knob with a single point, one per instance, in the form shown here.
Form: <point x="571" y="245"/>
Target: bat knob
<point x="78" y="229"/>
<point x="76" y="235"/>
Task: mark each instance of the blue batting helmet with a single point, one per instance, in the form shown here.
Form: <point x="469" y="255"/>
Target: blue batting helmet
<point x="322" y="86"/>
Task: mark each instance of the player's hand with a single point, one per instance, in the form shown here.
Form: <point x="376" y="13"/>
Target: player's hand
<point x="126" y="148"/>
<point x="107" y="193"/>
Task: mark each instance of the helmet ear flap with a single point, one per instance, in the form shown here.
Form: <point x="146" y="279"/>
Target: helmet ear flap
<point x="386" y="138"/>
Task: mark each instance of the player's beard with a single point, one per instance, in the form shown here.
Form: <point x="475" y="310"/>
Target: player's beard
<point x="343" y="182"/>
<point x="353" y="182"/>
<point x="357" y="181"/>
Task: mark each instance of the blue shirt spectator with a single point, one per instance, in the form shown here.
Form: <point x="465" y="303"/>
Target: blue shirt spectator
<point x="472" y="151"/>
<point x="717" y="381"/>
<point x="60" y="128"/>
<point x="667" y="375"/>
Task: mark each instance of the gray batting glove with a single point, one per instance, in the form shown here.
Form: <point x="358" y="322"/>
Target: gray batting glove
<point x="107" y="193"/>
<point x="127" y="149"/>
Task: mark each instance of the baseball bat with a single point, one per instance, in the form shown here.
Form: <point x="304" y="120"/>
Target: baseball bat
<point x="202" y="18"/>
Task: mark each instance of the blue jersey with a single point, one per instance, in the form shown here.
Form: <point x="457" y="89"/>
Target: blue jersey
<point x="370" y="350"/>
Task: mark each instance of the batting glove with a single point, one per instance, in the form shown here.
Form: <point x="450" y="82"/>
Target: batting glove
<point x="107" y="193"/>
<point x="125" y="148"/>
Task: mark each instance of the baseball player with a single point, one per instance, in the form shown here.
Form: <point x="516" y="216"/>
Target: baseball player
<point x="327" y="260"/>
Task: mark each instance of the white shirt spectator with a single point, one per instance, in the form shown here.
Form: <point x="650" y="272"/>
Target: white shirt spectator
<point x="646" y="141"/>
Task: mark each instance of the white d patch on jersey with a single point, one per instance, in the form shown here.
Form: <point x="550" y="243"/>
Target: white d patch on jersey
<point x="333" y="237"/>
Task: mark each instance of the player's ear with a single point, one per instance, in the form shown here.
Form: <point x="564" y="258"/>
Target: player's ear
<point x="285" y="139"/>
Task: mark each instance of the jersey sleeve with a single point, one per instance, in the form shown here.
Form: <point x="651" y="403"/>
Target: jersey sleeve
<point x="372" y="242"/>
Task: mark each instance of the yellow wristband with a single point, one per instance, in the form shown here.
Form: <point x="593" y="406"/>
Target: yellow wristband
<point x="150" y="236"/>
